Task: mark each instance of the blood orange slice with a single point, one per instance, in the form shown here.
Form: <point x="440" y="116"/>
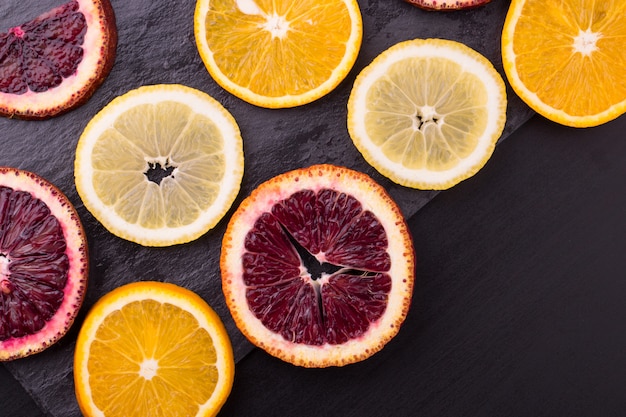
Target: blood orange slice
<point x="318" y="266"/>
<point x="43" y="264"/>
<point x="56" y="61"/>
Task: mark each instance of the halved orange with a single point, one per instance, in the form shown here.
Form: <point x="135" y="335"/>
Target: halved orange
<point x="566" y="59"/>
<point x="56" y="61"/>
<point x="318" y="266"/>
<point x="278" y="53"/>
<point x="152" y="349"/>
<point x="427" y="113"/>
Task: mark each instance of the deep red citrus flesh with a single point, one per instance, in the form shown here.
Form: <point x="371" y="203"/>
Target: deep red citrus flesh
<point x="40" y="53"/>
<point x="335" y="307"/>
<point x="33" y="264"/>
<point x="43" y="264"/>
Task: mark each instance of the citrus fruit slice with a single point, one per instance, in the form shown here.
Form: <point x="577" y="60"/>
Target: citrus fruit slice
<point x="444" y="5"/>
<point x="427" y="113"/>
<point x="318" y="266"/>
<point x="56" y="61"/>
<point x="566" y="59"/>
<point x="152" y="349"/>
<point x="43" y="264"/>
<point x="278" y="53"/>
<point x="160" y="165"/>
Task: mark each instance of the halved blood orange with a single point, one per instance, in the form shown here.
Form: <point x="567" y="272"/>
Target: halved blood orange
<point x="447" y="5"/>
<point x="318" y="266"/>
<point x="43" y="263"/>
<point x="56" y="61"/>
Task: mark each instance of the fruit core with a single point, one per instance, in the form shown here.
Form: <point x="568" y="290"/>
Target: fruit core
<point x="316" y="268"/>
<point x="38" y="55"/>
<point x="586" y="41"/>
<point x="33" y="264"/>
<point x="424" y="116"/>
<point x="159" y="169"/>
<point x="276" y="25"/>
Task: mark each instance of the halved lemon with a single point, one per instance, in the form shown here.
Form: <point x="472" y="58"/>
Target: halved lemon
<point x="152" y="349"/>
<point x="427" y="113"/>
<point x="278" y="53"/>
<point x="566" y="59"/>
<point x="160" y="165"/>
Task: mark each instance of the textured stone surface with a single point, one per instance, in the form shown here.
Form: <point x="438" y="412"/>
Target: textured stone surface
<point x="156" y="45"/>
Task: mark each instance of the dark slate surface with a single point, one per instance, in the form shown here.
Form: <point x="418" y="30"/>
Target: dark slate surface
<point x="156" y="45"/>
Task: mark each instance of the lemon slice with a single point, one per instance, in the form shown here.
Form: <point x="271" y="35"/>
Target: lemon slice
<point x="152" y="349"/>
<point x="427" y="113"/>
<point x="566" y="59"/>
<point x="160" y="165"/>
<point x="278" y="53"/>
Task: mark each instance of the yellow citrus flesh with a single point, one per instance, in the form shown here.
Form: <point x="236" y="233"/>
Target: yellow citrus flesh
<point x="427" y="113"/>
<point x="166" y="129"/>
<point x="566" y="59"/>
<point x="278" y="53"/>
<point x="152" y="349"/>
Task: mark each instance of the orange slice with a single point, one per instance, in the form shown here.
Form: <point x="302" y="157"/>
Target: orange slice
<point x="278" y="53"/>
<point x="566" y="59"/>
<point x="152" y="349"/>
<point x="318" y="266"/>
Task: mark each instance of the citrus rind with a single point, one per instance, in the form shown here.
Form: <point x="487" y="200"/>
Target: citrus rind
<point x="76" y="252"/>
<point x="229" y="185"/>
<point x="225" y="79"/>
<point x="471" y="62"/>
<point x="160" y="292"/>
<point x="374" y="198"/>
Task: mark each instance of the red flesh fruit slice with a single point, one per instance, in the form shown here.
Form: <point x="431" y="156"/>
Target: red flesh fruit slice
<point x="43" y="264"/>
<point x="55" y="62"/>
<point x="318" y="270"/>
<point x="447" y="4"/>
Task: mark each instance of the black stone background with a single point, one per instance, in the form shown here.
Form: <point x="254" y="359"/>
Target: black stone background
<point x="156" y="45"/>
